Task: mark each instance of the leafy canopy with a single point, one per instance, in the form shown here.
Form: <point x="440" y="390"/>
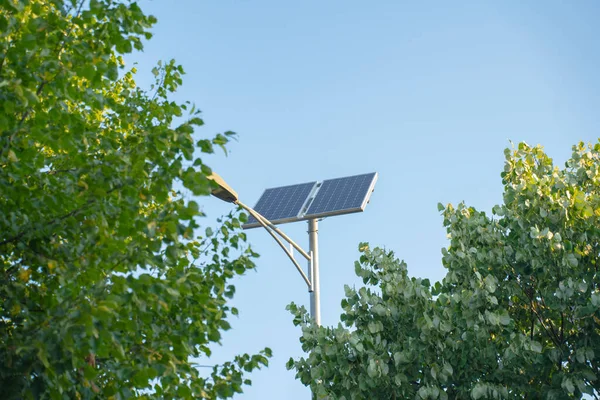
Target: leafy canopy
<point x="517" y="315"/>
<point x="106" y="289"/>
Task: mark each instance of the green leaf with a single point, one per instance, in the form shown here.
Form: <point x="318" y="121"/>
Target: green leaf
<point x="12" y="156"/>
<point x="504" y="318"/>
<point x="568" y="385"/>
<point x="479" y="392"/>
<point x="290" y="364"/>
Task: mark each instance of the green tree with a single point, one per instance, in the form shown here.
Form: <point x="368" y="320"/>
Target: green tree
<point x="106" y="289"/>
<point x="516" y="316"/>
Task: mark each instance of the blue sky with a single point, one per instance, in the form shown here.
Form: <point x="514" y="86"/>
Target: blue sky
<point x="428" y="94"/>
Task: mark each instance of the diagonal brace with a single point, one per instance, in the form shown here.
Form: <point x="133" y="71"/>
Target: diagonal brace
<point x="272" y="229"/>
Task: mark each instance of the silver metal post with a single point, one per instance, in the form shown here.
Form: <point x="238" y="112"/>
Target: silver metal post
<point x="313" y="269"/>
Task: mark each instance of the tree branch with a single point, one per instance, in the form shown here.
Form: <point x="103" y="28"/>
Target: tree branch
<point x="550" y="334"/>
<point x="55" y="220"/>
<point x="532" y="324"/>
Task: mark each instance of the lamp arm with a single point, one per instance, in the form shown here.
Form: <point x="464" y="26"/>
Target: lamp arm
<point x="269" y="227"/>
<point x="265" y="221"/>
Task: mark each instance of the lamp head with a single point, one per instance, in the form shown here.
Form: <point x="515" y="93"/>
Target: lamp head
<point x="224" y="191"/>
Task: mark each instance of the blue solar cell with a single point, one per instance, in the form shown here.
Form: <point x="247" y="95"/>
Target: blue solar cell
<point x="282" y="203"/>
<point x="341" y="195"/>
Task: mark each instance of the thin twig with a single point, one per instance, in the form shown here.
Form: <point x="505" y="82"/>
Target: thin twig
<point x="2" y="61"/>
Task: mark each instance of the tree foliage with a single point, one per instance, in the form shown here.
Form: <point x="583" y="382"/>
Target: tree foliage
<point x="106" y="289"/>
<point x="516" y="316"/>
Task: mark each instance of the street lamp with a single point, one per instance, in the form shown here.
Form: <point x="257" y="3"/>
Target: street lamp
<point x="309" y="201"/>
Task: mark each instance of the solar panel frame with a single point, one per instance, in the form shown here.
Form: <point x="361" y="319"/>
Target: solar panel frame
<point x="345" y="195"/>
<point x="281" y="204"/>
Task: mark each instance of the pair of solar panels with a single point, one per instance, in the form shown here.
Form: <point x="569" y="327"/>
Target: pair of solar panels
<point x="314" y="199"/>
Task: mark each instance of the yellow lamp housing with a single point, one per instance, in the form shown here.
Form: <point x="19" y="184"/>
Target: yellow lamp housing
<point x="224" y="191"/>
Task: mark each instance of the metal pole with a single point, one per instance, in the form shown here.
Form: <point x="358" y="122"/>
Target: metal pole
<point x="313" y="269"/>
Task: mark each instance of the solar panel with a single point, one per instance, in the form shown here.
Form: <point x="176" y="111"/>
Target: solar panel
<point x="342" y="196"/>
<point x="314" y="199"/>
<point x="281" y="204"/>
